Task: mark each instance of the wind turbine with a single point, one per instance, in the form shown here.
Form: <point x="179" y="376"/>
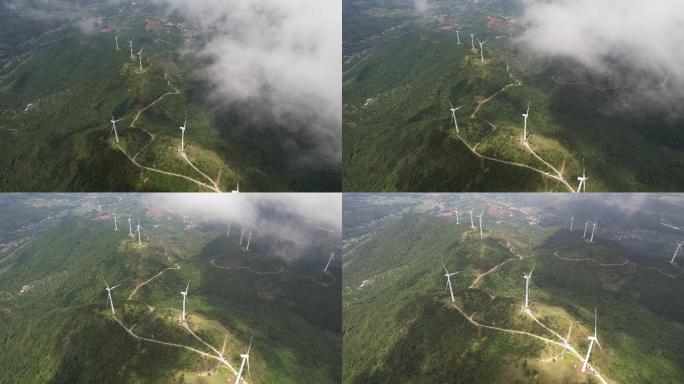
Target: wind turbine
<point x="525" y="116"/>
<point x="527" y="278"/>
<point x="242" y="232"/>
<point x="480" y="218"/>
<point x="472" y="224"/>
<point x="332" y="256"/>
<point x="481" y="50"/>
<point x="593" y="229"/>
<point x="115" y="227"/>
<point x="140" y="58"/>
<point x="185" y="296"/>
<point x="130" y="45"/>
<point x="249" y="240"/>
<point x="137" y="229"/>
<point x="114" y="121"/>
<point x="592" y="340"/>
<point x="185" y="124"/>
<point x="586" y="223"/>
<point x="458" y="37"/>
<point x="116" y="38"/>
<point x="676" y="252"/>
<point x="572" y="220"/>
<point x="245" y="359"/>
<point x="109" y="296"/>
<point x="453" y="114"/>
<point x="130" y="229"/>
<point x="583" y="180"/>
<point x="472" y="40"/>
<point x="448" y="276"/>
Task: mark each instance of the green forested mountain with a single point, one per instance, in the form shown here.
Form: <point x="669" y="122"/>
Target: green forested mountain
<point x="399" y="324"/>
<point x="61" y="84"/>
<point x="56" y="325"/>
<point x="403" y="68"/>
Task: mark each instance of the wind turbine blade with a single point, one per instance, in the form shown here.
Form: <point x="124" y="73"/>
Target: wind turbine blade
<point x="249" y="374"/>
<point x="445" y="270"/>
<point x="112" y="288"/>
<point x="532" y="270"/>
<point x="250" y="344"/>
<point x="105" y="281"/>
<point x="595" y="323"/>
<point x="188" y="286"/>
<point x="599" y="344"/>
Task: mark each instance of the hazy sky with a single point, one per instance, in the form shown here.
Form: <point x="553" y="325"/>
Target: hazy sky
<point x="281" y="57"/>
<point x="615" y="36"/>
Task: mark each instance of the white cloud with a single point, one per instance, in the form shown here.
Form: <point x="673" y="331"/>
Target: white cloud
<point x="635" y="42"/>
<point x="295" y="218"/>
<point x="282" y="57"/>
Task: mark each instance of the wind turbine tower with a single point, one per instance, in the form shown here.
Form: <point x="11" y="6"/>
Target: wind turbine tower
<point x="332" y="256"/>
<point x="480" y="218"/>
<point x="481" y="49"/>
<point x="583" y="180"/>
<point x="116" y="134"/>
<point x="458" y="37"/>
<point x="249" y="240"/>
<point x="676" y="252"/>
<point x="472" y="224"/>
<point x="116" y="38"/>
<point x="592" y="339"/>
<point x="137" y="229"/>
<point x="185" y="296"/>
<point x="448" y="276"/>
<point x="140" y="58"/>
<point x="586" y="223"/>
<point x="593" y="229"/>
<point x="472" y="40"/>
<point x="185" y="124"/>
<point x="453" y="114"/>
<point x="572" y="220"/>
<point x="527" y="278"/>
<point x="245" y="359"/>
<point x="130" y="45"/>
<point x="130" y="229"/>
<point x="115" y="227"/>
<point x="457" y="222"/>
<point x="525" y="116"/>
<point x="228" y="231"/>
<point x="109" y="296"/>
<point x="242" y="232"/>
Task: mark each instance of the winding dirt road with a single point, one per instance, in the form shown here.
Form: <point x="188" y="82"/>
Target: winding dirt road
<point x="517" y="83"/>
<point x="214" y="187"/>
<point x="563" y="343"/>
<point x="281" y="270"/>
<point x="201" y="353"/>
<point x="626" y="262"/>
<point x="558" y="178"/>
<point x="545" y="174"/>
<point x="477" y="279"/>
<point x="149" y="280"/>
